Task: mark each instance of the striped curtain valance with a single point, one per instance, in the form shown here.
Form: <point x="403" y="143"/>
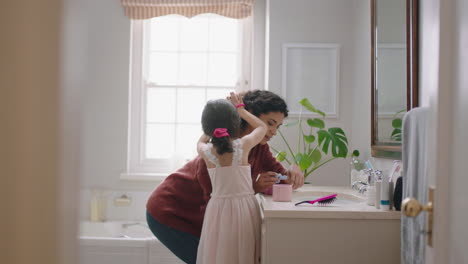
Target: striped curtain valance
<point x="146" y="9"/>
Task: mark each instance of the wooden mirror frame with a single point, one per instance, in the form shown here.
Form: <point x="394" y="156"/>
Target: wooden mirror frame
<point x="393" y="151"/>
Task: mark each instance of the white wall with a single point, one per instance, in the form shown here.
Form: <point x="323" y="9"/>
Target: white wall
<point x="346" y="23"/>
<point x="105" y="97"/>
<point x="74" y="57"/>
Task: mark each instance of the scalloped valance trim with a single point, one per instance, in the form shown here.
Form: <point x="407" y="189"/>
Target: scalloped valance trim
<point x="146" y="9"/>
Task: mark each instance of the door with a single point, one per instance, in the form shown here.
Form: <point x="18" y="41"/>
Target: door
<point x="450" y="232"/>
<point x="38" y="127"/>
<point x="444" y="83"/>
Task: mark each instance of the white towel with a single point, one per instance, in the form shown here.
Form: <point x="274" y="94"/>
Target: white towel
<point x="415" y="127"/>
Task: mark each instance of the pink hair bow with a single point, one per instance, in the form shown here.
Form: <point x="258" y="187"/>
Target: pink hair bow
<point x="220" y="132"/>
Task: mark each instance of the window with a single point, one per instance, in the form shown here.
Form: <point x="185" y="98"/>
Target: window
<point x="177" y="65"/>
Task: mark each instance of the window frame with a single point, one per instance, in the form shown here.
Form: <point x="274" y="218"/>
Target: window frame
<point x="139" y="168"/>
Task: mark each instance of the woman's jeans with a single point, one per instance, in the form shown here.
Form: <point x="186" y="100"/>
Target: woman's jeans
<point x="182" y="244"/>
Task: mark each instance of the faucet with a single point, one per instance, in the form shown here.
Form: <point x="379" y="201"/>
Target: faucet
<point x="355" y="184"/>
<point x="363" y="188"/>
<point x="370" y="176"/>
<point x="373" y="175"/>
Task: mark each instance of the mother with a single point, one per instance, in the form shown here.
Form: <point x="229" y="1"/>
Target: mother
<point x="176" y="207"/>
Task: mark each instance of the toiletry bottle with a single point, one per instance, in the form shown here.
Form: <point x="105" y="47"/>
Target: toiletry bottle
<point x="378" y="186"/>
<point x="102" y="206"/>
<point x="384" y="193"/>
<point x="391" y="188"/>
<point x="370" y="195"/>
<point x="94" y="207"/>
<point x="280" y="177"/>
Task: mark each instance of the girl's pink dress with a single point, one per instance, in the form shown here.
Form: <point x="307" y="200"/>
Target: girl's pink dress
<point x="231" y="227"/>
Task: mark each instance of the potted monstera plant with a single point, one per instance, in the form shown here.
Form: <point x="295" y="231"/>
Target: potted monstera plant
<point x="397" y="123"/>
<point x="317" y="145"/>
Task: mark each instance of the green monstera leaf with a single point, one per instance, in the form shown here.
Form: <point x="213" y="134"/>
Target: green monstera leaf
<point x="280" y="156"/>
<point x="397" y="123"/>
<point x="396" y="134"/>
<point x="309" y="139"/>
<point x="337" y="138"/>
<point x="304" y="161"/>
<point x="316" y="122"/>
<point x="305" y="102"/>
<point x="356" y="153"/>
<point x="316" y="156"/>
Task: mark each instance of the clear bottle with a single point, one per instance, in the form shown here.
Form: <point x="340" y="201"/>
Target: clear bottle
<point x="356" y="165"/>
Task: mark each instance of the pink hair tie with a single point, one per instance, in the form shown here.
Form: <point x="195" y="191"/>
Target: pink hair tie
<point x="239" y="105"/>
<point x="220" y="132"/>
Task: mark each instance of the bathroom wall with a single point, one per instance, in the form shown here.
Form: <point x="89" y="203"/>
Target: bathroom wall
<point x="74" y="34"/>
<point x="346" y="23"/>
<point x="105" y="95"/>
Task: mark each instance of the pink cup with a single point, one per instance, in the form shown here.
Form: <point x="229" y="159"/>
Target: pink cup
<point x="269" y="191"/>
<point x="282" y="192"/>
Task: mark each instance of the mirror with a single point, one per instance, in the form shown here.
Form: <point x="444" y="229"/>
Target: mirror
<point x="394" y="71"/>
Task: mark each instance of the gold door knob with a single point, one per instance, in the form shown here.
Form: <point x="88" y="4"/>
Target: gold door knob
<point x="412" y="207"/>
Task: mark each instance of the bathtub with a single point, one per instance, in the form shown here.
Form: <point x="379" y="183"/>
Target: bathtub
<point x="121" y="242"/>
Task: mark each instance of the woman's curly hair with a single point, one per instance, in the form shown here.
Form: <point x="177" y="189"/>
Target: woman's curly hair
<point x="262" y="102"/>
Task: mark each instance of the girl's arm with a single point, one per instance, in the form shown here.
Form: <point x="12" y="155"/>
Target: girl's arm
<point x="260" y="129"/>
<point x="251" y="140"/>
<point x="202" y="143"/>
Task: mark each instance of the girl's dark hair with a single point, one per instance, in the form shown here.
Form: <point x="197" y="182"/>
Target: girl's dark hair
<point x="262" y="102"/>
<point x="221" y="114"/>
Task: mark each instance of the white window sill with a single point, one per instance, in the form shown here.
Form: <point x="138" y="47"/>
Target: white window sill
<point x="139" y="176"/>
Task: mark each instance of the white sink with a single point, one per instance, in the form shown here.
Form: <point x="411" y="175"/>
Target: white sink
<point x="349" y="204"/>
<point x="341" y="198"/>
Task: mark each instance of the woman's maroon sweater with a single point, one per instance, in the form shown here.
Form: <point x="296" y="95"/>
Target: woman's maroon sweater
<point x="180" y="200"/>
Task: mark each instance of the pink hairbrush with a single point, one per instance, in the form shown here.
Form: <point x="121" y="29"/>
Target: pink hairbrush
<point x="323" y="200"/>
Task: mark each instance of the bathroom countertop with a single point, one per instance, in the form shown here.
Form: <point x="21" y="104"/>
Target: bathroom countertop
<point x="349" y="205"/>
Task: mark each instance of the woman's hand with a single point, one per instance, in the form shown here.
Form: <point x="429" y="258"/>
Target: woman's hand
<point x="295" y="176"/>
<point x="265" y="181"/>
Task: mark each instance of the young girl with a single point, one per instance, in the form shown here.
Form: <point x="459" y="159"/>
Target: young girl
<point x="231" y="227"/>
